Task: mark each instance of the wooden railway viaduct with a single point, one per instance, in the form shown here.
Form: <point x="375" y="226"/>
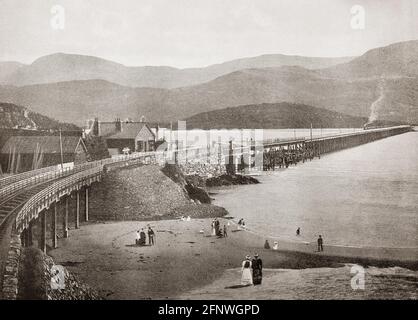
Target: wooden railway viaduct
<point x="36" y="197"/>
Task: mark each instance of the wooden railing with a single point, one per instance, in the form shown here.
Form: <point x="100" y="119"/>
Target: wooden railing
<point x="25" y="175"/>
<point x="52" y="193"/>
<point x="34" y="180"/>
<point x="76" y="178"/>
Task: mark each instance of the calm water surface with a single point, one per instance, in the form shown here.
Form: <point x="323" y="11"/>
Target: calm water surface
<point x="363" y="196"/>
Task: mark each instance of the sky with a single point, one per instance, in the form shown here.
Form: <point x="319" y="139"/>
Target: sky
<point x="197" y="33"/>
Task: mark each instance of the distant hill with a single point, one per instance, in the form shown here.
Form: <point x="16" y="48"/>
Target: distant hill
<point x="396" y="60"/>
<point x="60" y="67"/>
<point x="18" y="117"/>
<point x="354" y="93"/>
<point x="7" y="69"/>
<point x="273" y="116"/>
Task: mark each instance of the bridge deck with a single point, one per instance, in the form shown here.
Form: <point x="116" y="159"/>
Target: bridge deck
<point x="8" y="209"/>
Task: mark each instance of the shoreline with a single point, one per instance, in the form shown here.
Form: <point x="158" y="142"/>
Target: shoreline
<point x="383" y="255"/>
<point x="379" y="255"/>
<point x="183" y="259"/>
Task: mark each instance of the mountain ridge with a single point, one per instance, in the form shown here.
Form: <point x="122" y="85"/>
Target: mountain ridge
<point x="352" y="93"/>
<point x="281" y="115"/>
<point x="60" y="67"/>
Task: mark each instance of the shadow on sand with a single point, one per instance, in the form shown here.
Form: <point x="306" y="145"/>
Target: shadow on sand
<point x="137" y="245"/>
<point x="237" y="286"/>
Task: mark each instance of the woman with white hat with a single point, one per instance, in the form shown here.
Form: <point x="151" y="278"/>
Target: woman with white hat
<point x="246" y="276"/>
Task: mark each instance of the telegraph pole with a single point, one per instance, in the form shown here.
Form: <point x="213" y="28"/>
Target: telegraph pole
<point x="311" y="131"/>
<point x="62" y="156"/>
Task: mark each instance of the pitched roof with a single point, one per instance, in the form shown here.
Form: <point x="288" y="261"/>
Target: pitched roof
<point x="47" y="144"/>
<point x="129" y="130"/>
<point x="107" y="128"/>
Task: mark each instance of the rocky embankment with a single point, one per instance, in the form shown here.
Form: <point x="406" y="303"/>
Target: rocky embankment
<point x="193" y="186"/>
<point x="229" y="180"/>
<point x="41" y="279"/>
<point x="149" y="193"/>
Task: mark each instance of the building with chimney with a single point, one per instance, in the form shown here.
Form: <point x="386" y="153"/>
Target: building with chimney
<point x="122" y="135"/>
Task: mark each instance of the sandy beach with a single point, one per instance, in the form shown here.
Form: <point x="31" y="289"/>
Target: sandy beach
<point x="187" y="264"/>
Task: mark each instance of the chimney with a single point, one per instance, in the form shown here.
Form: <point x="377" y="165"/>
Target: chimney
<point x="118" y="125"/>
<point x="96" y="127"/>
<point x="157" y="129"/>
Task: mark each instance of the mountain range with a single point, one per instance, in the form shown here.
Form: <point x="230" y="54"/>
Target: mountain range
<point x="383" y="81"/>
<point x="60" y="67"/>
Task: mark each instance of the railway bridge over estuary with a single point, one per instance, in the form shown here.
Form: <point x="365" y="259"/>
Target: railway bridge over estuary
<point x="36" y="204"/>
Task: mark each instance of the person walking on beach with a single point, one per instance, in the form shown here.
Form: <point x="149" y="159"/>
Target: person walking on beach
<point x="246" y="274"/>
<point x="217" y="227"/>
<point x="320" y="244"/>
<point x="151" y="236"/>
<point x="225" y="231"/>
<point x="298" y="231"/>
<point x="142" y="238"/>
<point x="138" y="236"/>
<point x="257" y="265"/>
<point x="213" y="228"/>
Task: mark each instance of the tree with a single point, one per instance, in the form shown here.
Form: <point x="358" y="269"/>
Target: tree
<point x="96" y="147"/>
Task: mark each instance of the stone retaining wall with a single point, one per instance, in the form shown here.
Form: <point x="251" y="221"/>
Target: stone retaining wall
<point x="10" y="278"/>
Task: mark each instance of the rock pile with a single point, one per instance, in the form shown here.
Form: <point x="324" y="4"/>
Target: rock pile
<point x="41" y="279"/>
<point x="228" y="180"/>
<point x="135" y="193"/>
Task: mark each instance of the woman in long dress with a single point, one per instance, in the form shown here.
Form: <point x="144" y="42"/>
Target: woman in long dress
<point x="246" y="277"/>
<point x="257" y="266"/>
<point x="213" y="228"/>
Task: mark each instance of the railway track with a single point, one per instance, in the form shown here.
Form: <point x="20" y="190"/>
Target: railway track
<point x="8" y="208"/>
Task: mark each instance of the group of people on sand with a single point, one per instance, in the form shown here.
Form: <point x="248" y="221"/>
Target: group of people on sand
<point x="141" y="237"/>
<point x="252" y="271"/>
<point x="320" y="242"/>
<point x="216" y="229"/>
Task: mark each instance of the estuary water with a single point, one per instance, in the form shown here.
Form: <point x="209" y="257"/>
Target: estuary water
<point x="366" y="196"/>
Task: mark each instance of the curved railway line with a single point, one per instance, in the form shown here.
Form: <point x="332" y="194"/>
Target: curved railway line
<point x="8" y="210"/>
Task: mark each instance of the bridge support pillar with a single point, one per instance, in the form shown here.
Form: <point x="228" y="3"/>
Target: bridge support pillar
<point x="42" y="235"/>
<point x="65" y="218"/>
<point x="29" y="240"/>
<point x="87" y="205"/>
<point x="54" y="226"/>
<point x="77" y="210"/>
<point x="24" y="238"/>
